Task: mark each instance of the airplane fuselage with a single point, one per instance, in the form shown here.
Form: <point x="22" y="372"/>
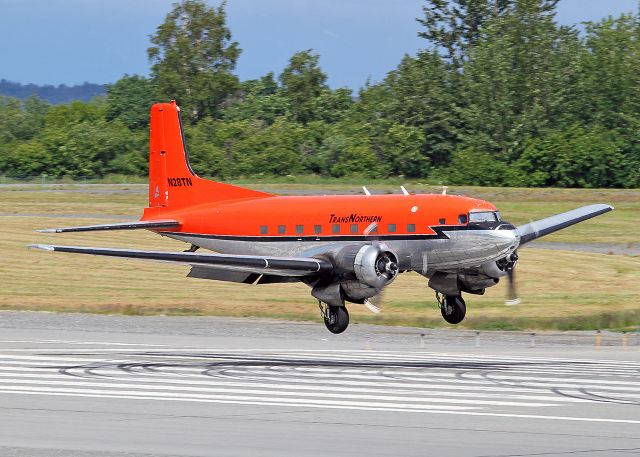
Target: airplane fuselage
<point x="428" y="232"/>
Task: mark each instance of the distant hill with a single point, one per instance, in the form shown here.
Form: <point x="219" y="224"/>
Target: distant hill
<point x="53" y="94"/>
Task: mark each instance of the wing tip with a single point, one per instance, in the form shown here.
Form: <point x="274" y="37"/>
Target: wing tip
<point x="49" y="230"/>
<point x="42" y="247"/>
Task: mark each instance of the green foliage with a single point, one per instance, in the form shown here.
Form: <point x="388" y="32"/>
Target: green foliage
<point x="303" y="81"/>
<point x="419" y="93"/>
<point x="347" y="150"/>
<point x="193" y="58"/>
<point x="25" y="159"/>
<point x="574" y="158"/>
<point x="402" y="146"/>
<point x="21" y="120"/>
<point x="479" y="168"/>
<point x="129" y="101"/>
<point x="501" y="96"/>
<point x="259" y="99"/>
<point x="518" y="81"/>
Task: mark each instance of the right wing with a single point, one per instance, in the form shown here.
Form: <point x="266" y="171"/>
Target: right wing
<point x="536" y="229"/>
<point x="278" y="266"/>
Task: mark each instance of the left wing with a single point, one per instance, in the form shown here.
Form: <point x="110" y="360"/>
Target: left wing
<point x="279" y="266"/>
<point x="157" y="224"/>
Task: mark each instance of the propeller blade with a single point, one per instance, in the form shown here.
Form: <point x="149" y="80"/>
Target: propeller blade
<point x="371" y="307"/>
<point x="512" y="294"/>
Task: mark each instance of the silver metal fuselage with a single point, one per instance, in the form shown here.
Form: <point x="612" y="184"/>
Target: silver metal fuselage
<point x="458" y="250"/>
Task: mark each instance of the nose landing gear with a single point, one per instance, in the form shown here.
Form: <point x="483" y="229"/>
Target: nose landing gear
<point x="452" y="307"/>
<point x="336" y="318"/>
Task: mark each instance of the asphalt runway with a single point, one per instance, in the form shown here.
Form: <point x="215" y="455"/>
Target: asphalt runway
<point x="81" y="385"/>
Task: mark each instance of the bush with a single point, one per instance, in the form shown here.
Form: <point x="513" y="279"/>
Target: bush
<point x="573" y="158"/>
<point x="473" y="167"/>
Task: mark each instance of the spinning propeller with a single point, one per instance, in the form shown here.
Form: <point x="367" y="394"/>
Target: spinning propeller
<point x="512" y="294"/>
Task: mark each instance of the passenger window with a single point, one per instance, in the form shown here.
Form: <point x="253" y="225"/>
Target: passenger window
<point x="281" y="229"/>
<point x="411" y="228"/>
<point x="462" y="219"/>
<point x="299" y="229"/>
<point x="335" y="228"/>
<point x="391" y="228"/>
<point x="317" y="229"/>
<point x="354" y="228"/>
<point x="264" y="230"/>
<point x="443" y="220"/>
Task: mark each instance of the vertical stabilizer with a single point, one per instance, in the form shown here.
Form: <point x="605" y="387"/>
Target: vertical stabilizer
<point x="172" y="182"/>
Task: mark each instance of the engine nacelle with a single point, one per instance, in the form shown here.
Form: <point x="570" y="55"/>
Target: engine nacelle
<point x="374" y="265"/>
<point x="501" y="267"/>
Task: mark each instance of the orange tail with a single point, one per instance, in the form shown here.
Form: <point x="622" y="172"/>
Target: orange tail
<point x="172" y="182"/>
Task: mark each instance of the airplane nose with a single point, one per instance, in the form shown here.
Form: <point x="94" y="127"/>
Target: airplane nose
<point x="507" y="237"/>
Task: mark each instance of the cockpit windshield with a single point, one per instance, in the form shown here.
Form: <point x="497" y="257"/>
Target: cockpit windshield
<point x="484" y="216"/>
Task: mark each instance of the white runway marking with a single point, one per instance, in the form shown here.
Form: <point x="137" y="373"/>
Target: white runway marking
<point x="417" y="382"/>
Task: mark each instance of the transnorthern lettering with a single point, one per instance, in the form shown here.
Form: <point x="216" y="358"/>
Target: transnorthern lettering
<point x="353" y="218"/>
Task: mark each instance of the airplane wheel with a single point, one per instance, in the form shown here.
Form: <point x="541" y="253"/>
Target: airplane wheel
<point x="336" y="319"/>
<point x="453" y="309"/>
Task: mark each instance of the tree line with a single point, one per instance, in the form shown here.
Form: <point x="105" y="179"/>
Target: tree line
<point x="501" y="95"/>
<point x="53" y="94"/>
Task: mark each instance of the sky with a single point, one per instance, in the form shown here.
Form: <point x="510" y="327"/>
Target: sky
<point x="98" y="41"/>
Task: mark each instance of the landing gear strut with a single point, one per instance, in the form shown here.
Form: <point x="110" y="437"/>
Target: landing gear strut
<point x="336" y="318"/>
<point x="452" y="307"/>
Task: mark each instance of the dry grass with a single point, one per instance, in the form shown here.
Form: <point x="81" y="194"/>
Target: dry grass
<point x="560" y="289"/>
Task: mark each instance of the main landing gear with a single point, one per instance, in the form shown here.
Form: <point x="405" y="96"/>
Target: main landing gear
<point x="452" y="307"/>
<point x="336" y="318"/>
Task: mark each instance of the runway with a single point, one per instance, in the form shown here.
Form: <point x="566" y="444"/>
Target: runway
<point x="103" y="389"/>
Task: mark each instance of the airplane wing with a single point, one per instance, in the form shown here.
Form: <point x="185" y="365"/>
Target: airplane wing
<point x="278" y="266"/>
<point x="536" y="229"/>
<point x="157" y="224"/>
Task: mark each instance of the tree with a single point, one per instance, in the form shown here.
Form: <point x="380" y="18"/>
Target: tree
<point x="401" y="146"/>
<point x="455" y="27"/>
<point x="609" y="84"/>
<point x="24" y="159"/>
<point x="471" y="166"/>
<point x="303" y="81"/>
<point x="574" y="158"/>
<point x="21" y="119"/>
<point x="193" y="58"/>
<point x="420" y="93"/>
<point x="130" y="100"/>
<point x="258" y="99"/>
<point x="519" y="80"/>
<point x="347" y="149"/>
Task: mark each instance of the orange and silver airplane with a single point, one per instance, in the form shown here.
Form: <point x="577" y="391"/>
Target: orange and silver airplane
<point x="346" y="248"/>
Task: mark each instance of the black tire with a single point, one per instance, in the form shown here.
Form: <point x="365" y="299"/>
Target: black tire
<point x="454" y="309"/>
<point x="337" y="319"/>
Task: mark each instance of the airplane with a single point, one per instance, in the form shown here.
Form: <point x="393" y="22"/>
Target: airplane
<point x="346" y="248"/>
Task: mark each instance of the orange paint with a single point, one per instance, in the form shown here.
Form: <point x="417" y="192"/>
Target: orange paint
<point x="207" y="207"/>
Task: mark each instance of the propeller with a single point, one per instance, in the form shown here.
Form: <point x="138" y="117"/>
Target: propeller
<point x="512" y="293"/>
<point x="374" y="304"/>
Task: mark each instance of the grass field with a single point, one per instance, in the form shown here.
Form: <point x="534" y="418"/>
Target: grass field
<point x="560" y="290"/>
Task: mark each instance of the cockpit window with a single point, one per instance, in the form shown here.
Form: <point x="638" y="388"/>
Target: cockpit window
<point x="484" y="216"/>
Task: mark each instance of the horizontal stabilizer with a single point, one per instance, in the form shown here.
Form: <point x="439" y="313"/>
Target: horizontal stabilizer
<point x="536" y="229"/>
<point x="281" y="266"/>
<point x="157" y="224"/>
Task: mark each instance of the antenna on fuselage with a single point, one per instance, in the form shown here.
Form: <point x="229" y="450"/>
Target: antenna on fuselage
<point x="404" y="191"/>
<point x="444" y="190"/>
<point x="366" y="191"/>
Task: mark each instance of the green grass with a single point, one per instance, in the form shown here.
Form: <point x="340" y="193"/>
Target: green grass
<point x="560" y="290"/>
